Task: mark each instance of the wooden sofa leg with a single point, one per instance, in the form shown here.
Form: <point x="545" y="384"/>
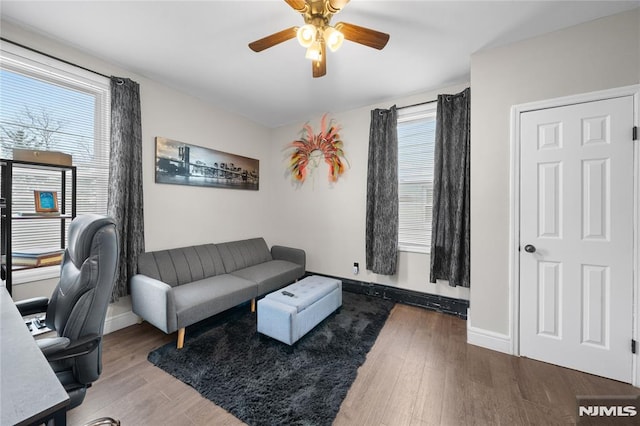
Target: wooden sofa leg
<point x="253" y="304"/>
<point x="181" y="338"/>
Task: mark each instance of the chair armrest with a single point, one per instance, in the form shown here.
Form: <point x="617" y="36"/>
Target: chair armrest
<point x="51" y="345"/>
<point x="153" y="300"/>
<point x="59" y="348"/>
<point x="291" y="254"/>
<point x="35" y="305"/>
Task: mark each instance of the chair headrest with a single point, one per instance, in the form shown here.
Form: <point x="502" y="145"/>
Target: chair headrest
<point x="81" y="232"/>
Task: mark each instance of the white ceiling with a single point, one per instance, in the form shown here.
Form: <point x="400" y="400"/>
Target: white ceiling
<point x="200" y="47"/>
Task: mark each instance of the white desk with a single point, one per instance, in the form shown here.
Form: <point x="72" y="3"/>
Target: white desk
<point x="30" y="392"/>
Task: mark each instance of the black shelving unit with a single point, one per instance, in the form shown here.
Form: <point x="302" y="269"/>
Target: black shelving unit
<point x="7" y="215"/>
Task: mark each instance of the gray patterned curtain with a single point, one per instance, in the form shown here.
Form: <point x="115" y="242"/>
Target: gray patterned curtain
<point x="450" y="229"/>
<point x="125" y="178"/>
<point x="382" y="193"/>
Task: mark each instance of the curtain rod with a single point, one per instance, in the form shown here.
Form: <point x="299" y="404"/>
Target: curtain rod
<point x="418" y="104"/>
<point x="54" y="57"/>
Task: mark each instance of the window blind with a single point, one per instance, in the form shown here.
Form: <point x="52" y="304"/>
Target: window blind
<point x="416" y="141"/>
<point x="52" y="106"/>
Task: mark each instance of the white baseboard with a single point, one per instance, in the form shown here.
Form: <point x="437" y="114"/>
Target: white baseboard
<point x="489" y="339"/>
<point x="117" y="322"/>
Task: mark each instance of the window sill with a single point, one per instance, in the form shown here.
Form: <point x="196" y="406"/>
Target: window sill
<point x="35" y="274"/>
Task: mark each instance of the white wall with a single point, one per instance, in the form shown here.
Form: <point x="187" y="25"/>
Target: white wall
<point x="328" y="221"/>
<point x="597" y="55"/>
<point x="178" y="215"/>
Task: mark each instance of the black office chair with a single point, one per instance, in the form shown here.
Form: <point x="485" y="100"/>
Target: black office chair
<point x="78" y="306"/>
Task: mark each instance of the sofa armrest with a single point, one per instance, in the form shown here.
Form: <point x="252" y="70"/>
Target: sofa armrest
<point x="153" y="300"/>
<point x="291" y="254"/>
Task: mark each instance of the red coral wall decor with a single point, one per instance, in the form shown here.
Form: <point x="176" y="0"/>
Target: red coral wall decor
<point x="309" y="149"/>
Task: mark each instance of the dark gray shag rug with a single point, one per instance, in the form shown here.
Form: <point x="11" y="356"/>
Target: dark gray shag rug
<point x="262" y="381"/>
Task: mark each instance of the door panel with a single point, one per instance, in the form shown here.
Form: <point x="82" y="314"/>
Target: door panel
<point x="576" y="209"/>
<point x="549" y="291"/>
<point x="595" y="199"/>
<point x="550" y="202"/>
<point x="595" y="294"/>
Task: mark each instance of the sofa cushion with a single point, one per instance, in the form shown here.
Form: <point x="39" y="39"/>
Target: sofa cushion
<point x="242" y="254"/>
<point x="271" y="275"/>
<point x="182" y="265"/>
<point x="199" y="299"/>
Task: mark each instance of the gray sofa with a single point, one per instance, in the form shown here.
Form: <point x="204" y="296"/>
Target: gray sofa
<point x="179" y="287"/>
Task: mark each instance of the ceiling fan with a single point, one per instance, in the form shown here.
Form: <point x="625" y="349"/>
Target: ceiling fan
<point x="317" y="34"/>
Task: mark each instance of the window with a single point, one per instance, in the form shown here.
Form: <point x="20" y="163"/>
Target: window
<point x="52" y="106"/>
<point x="416" y="141"/>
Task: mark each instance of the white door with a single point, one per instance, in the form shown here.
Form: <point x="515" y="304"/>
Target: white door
<point x="576" y="236"/>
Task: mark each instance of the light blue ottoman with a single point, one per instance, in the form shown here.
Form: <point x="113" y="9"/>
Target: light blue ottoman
<point x="291" y="312"/>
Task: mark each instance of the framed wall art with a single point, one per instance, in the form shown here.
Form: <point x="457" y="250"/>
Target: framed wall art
<point x="180" y="163"/>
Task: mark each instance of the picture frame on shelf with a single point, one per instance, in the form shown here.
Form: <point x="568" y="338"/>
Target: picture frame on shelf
<point x="46" y="201"/>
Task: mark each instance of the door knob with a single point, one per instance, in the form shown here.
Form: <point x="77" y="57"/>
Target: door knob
<point x="529" y="248"/>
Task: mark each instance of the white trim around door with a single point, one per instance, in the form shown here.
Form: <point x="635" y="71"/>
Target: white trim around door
<point x="514" y="208"/>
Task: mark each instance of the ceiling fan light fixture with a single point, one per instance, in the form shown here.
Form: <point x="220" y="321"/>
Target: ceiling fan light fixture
<point x="314" y="52"/>
<point x="306" y="35"/>
<point x="333" y="38"/>
<point x="317" y="35"/>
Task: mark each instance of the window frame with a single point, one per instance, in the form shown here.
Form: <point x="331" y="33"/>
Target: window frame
<point x="19" y="60"/>
<point x="427" y="110"/>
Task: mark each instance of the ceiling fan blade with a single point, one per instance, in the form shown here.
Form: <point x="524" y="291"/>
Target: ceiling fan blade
<point x="363" y="35"/>
<point x="273" y="39"/>
<point x="320" y="66"/>
<point x="298" y="5"/>
<point x="336" y="6"/>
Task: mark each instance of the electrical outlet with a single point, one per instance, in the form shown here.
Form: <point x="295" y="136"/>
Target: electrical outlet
<point x="356" y="268"/>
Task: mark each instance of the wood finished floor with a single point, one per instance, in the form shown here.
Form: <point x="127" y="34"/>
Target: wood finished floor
<point x="420" y="371"/>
